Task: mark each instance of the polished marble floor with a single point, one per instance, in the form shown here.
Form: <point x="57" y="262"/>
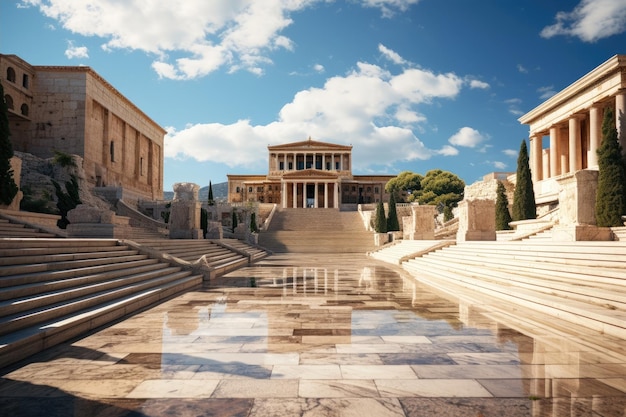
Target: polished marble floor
<point x="324" y="335"/>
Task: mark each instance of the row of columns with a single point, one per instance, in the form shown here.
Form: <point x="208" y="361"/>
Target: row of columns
<point x="568" y="157"/>
<point x="344" y="160"/>
<point x="294" y="192"/>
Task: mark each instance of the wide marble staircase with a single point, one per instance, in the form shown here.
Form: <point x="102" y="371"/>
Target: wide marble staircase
<point x="316" y="231"/>
<point x="578" y="282"/>
<point x="54" y="289"/>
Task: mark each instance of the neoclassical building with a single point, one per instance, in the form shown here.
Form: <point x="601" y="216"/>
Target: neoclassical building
<point x="309" y="174"/>
<point x="75" y="111"/>
<point x="565" y="130"/>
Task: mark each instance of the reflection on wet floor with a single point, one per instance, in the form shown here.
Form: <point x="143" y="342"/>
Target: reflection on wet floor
<point x="325" y="335"/>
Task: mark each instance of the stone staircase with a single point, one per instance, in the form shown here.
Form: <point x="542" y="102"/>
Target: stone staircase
<point x="12" y="229"/>
<point x="579" y="282"/>
<point x="216" y="257"/>
<point x="54" y="289"/>
<point x="317" y="231"/>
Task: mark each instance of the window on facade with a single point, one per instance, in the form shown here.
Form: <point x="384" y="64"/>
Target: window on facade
<point x="337" y="166"/>
<point x="327" y="166"/>
<point x="249" y="189"/>
<point x="259" y="189"/>
<point x="11" y="74"/>
<point x="238" y="190"/>
<point x="369" y="189"/>
<point x="141" y="166"/>
<point x="112" y="151"/>
<point x="281" y="166"/>
<point x="25" y="81"/>
<point x="353" y="188"/>
<point x="9" y="100"/>
<point x="290" y="166"/>
<point x="24" y="109"/>
<point x="376" y="190"/>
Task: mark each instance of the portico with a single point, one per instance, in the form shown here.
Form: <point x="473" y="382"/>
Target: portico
<point x="571" y="121"/>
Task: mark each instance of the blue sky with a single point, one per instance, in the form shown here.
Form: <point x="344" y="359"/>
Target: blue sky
<point x="410" y="84"/>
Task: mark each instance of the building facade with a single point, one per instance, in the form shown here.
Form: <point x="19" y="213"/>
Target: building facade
<point x="309" y="174"/>
<point x="565" y="130"/>
<point x="73" y="110"/>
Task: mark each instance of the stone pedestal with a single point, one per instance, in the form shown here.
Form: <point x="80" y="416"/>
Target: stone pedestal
<point x="477" y="220"/>
<point x="184" y="222"/>
<point x="577" y="208"/>
<point x="87" y="221"/>
<point x="421" y="224"/>
<point x="214" y="230"/>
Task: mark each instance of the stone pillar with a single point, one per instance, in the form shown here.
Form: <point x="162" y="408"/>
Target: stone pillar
<point x="545" y="160"/>
<point x="554" y="152"/>
<point x="577" y="213"/>
<point x="574" y="144"/>
<point x="294" y="198"/>
<point x="336" y="196"/>
<point x="477" y="220"/>
<point x="185" y="212"/>
<point x="304" y="192"/>
<point x="325" y="195"/>
<point x="535" y="157"/>
<point x="422" y="223"/>
<point x="595" y="128"/>
<point x="283" y="193"/>
<point x="316" y="196"/>
<point x="620" y="117"/>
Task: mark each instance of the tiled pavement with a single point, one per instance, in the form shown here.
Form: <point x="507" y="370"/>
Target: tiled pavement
<point x="322" y="335"/>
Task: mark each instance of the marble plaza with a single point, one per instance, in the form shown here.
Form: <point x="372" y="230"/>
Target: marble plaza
<point x="323" y="335"/>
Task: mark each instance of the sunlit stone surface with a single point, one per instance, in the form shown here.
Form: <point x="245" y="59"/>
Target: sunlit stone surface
<point x="324" y="335"/>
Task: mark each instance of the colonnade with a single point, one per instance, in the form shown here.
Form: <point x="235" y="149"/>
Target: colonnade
<point x="574" y="140"/>
<point x="296" y="161"/>
<point x="290" y="194"/>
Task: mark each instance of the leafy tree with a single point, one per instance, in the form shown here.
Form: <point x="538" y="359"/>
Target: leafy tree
<point x="503" y="216"/>
<point x="611" y="193"/>
<point x="380" y="222"/>
<point x="406" y="181"/>
<point x="8" y="187"/>
<point x="66" y="200"/>
<point x="441" y="187"/>
<point x="392" y="220"/>
<point x="524" y="207"/>
<point x="253" y="226"/>
<point x="211" y="201"/>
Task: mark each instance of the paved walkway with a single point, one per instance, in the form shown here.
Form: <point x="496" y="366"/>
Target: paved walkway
<point x="322" y="335"/>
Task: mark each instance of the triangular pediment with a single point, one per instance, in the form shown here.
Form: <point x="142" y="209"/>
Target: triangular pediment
<point x="309" y="145"/>
<point x="310" y="173"/>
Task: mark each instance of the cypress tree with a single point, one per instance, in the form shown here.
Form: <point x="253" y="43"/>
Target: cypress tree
<point x="524" y="207"/>
<point x="380" y="224"/>
<point x="253" y="226"/>
<point x="210" y="199"/>
<point x="66" y="200"/>
<point x="503" y="216"/>
<point x="611" y="193"/>
<point x="392" y="220"/>
<point x="8" y="187"/>
<point x="234" y="220"/>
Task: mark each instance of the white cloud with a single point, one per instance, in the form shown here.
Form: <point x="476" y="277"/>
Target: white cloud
<point x="204" y="35"/>
<point x="389" y="7"/>
<point x="391" y="55"/>
<point x="546" y="92"/>
<point x="467" y="137"/>
<point x="236" y="34"/>
<point x="377" y="111"/>
<point x="522" y="69"/>
<point x="448" y="150"/>
<point x="76" y="51"/>
<point x="319" y="68"/>
<point x="510" y="152"/>
<point x="591" y="20"/>
<point x="499" y="165"/>
<point x="478" y="84"/>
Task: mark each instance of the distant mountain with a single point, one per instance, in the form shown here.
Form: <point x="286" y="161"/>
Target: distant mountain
<point x="220" y="192"/>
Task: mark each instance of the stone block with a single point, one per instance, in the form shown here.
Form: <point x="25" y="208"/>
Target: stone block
<point x="581" y="232"/>
<point x="477" y="220"/>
